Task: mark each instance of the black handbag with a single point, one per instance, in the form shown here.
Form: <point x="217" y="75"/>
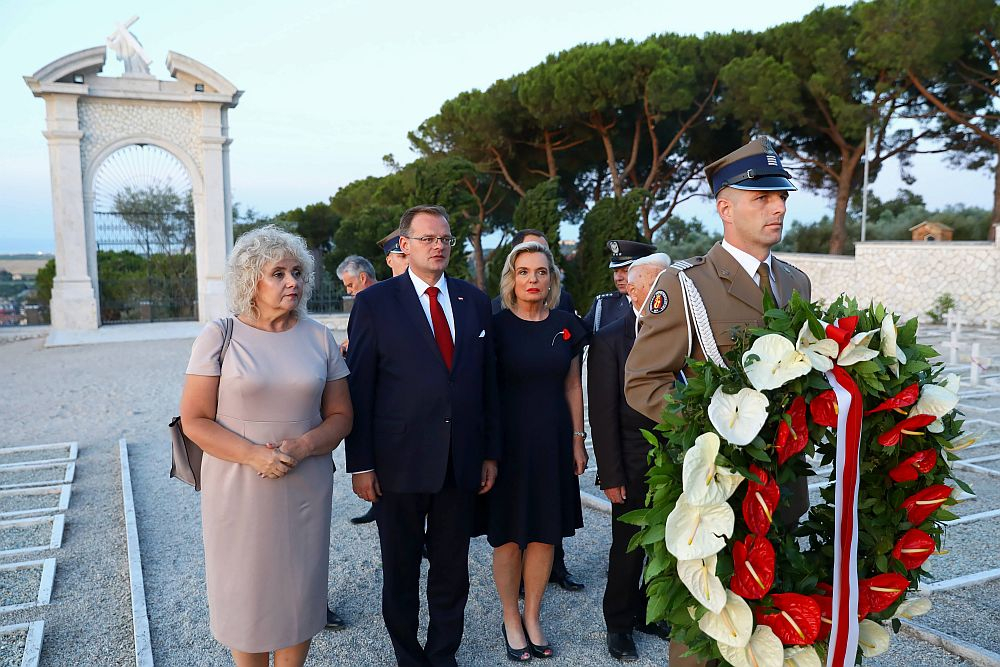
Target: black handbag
<point x="185" y="463"/>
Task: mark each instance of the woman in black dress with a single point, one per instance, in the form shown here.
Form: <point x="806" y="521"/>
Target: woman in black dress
<point x="536" y="500"/>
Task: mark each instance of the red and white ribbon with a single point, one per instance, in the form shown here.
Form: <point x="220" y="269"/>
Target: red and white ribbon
<point x="844" y="632"/>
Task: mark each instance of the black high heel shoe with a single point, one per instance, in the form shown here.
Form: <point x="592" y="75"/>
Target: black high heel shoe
<point x="540" y="651"/>
<point x="515" y="654"/>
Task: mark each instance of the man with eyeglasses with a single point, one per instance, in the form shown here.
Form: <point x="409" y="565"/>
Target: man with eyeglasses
<point x="426" y="432"/>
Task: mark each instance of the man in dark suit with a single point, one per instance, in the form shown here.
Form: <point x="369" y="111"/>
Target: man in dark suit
<point x="621" y="450"/>
<point x="425" y="438"/>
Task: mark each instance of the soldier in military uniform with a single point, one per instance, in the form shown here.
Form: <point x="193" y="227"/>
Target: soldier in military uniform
<point x="724" y="290"/>
<point x="621" y="451"/>
<point x="395" y="258"/>
<point x="614" y="305"/>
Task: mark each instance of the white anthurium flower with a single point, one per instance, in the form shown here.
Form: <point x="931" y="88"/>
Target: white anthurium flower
<point x="872" y="638"/>
<point x="698" y="531"/>
<point x="801" y="656"/>
<point x="704" y="482"/>
<point x="912" y="607"/>
<point x="889" y="347"/>
<point x="732" y="625"/>
<point x="937" y="400"/>
<point x="820" y="353"/>
<point x="777" y="362"/>
<point x="857" y="349"/>
<point x="699" y="577"/>
<point x="738" y="417"/>
<point x="763" y="650"/>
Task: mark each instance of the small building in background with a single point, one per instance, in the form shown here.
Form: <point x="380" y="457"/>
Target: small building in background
<point x="928" y="230"/>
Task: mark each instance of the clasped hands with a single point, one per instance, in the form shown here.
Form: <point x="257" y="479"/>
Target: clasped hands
<point x="366" y="484"/>
<point x="275" y="461"/>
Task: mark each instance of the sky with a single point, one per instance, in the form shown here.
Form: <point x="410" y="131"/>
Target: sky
<point x="331" y="87"/>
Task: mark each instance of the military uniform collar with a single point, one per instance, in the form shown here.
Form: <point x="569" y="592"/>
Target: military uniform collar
<point x="740" y="285"/>
<point x="748" y="261"/>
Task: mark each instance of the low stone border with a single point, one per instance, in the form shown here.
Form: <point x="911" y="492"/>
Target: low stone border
<point x="58" y="522"/>
<point x="33" y="642"/>
<point x="140" y="618"/>
<point x="44" y="586"/>
<point x="72" y="446"/>
<point x="67" y="477"/>
<point x="64" y="491"/>
<point x="977" y="655"/>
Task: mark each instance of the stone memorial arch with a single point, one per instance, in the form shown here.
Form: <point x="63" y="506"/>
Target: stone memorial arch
<point x="90" y="119"/>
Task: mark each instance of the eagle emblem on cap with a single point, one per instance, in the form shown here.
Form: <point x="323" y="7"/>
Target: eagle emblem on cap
<point x="613" y="247"/>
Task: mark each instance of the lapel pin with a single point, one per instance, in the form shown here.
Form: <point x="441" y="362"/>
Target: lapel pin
<point x="461" y="298"/>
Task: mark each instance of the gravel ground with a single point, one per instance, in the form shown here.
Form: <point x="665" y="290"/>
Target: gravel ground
<point x="20" y="585"/>
<point x="32" y="455"/>
<point x="95" y="402"/>
<point x="28" y="499"/>
<point x="12" y="648"/>
<point x="968" y="613"/>
<point x="16" y="537"/>
<point x="53" y="474"/>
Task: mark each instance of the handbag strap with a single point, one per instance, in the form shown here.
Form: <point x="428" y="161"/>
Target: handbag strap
<point x="227" y="336"/>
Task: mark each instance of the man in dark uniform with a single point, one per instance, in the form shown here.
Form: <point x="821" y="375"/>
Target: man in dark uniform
<point x="621" y="450"/>
<point x="614" y="305"/>
<point x="723" y="289"/>
<point x="395" y="258"/>
<point x="560" y="574"/>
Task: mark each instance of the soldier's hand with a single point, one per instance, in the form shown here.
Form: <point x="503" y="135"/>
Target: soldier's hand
<point x="366" y="486"/>
<point x="616" y="494"/>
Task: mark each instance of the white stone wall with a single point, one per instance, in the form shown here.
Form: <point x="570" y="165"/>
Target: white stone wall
<point x="909" y="276"/>
<point x="105" y="121"/>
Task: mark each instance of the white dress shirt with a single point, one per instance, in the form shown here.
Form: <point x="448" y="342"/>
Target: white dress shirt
<point x="425" y="301"/>
<point x="750" y="264"/>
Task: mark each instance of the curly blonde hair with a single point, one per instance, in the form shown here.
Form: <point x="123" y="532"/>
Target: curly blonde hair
<point x="507" y="296"/>
<point x="251" y="253"/>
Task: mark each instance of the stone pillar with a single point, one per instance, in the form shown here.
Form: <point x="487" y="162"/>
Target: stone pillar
<point x="214" y="222"/>
<point x="74" y="304"/>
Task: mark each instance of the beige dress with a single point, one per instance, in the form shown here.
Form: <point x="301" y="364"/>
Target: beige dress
<point x="267" y="541"/>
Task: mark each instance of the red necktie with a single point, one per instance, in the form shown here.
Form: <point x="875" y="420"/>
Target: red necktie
<point x="442" y="334"/>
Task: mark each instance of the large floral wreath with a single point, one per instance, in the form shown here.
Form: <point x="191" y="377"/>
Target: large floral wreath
<point x="849" y="389"/>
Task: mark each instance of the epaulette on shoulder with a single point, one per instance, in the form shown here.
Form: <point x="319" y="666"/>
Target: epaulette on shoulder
<point x="683" y="264"/>
<point x="790" y="265"/>
<point x="606" y="295"/>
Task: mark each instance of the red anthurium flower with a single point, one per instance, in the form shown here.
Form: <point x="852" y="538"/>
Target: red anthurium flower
<point x="913" y="548"/>
<point x="842" y="332"/>
<point x="566" y="334"/>
<point x="825" y="603"/>
<point x="903" y="399"/>
<point x="753" y="567"/>
<point x="798" y="620"/>
<point x="760" y="502"/>
<point x="920" y="463"/>
<point x="791" y="441"/>
<point x="906" y="427"/>
<point x="883" y="589"/>
<point x="824" y="409"/>
<point x="922" y="504"/>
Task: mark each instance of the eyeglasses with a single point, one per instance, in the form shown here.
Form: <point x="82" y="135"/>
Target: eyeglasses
<point x="430" y="240"/>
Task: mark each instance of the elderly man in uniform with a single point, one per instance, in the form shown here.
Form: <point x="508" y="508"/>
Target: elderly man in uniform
<point x="621" y="452"/>
<point x="614" y="305"/>
<point x="395" y="258"/>
<point x="728" y="285"/>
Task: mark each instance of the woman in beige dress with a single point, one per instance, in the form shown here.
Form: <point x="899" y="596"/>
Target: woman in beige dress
<point x="267" y="420"/>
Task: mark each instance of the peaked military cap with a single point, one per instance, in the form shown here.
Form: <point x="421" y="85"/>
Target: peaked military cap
<point x="755" y="166"/>
<point x="390" y="244"/>
<point x="624" y="253"/>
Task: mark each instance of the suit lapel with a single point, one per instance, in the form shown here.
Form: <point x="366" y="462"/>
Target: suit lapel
<point x="739" y="284"/>
<point x="459" y="312"/>
<point x="410" y="304"/>
<point x="782" y="280"/>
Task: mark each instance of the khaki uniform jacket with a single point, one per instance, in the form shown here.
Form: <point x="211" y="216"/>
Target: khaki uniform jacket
<point x="732" y="299"/>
